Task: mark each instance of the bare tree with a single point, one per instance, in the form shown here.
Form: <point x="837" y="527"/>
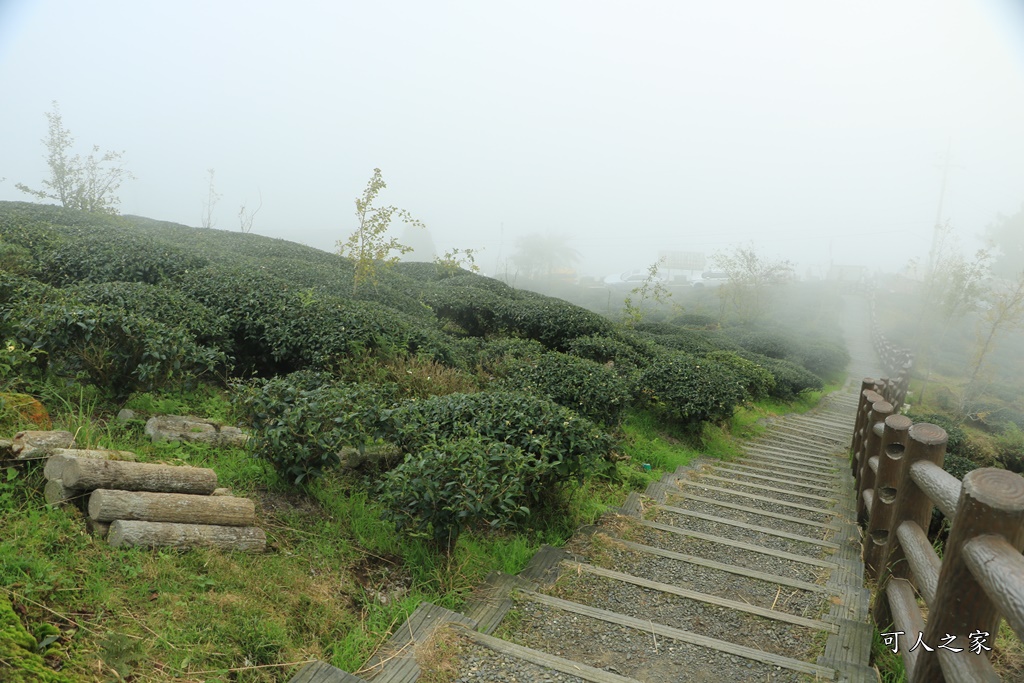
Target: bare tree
<point x="246" y="217"/>
<point x="212" y="197"/>
<point x="750" y="277"/>
<point x="88" y="184"/>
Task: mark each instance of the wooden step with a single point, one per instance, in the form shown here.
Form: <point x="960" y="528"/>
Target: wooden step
<point x="757" y="511"/>
<point x="754" y="548"/>
<point x="396" y="661"/>
<point x="744" y="465"/>
<point x="682" y="636"/>
<point x="566" y="666"/>
<point x="321" y="672"/>
<point x="750" y="527"/>
<point x="771" y="489"/>
<point x="703" y="597"/>
<point x="754" y="496"/>
<point x="721" y="566"/>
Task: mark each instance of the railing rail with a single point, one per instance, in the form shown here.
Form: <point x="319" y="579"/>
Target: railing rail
<point x="980" y="578"/>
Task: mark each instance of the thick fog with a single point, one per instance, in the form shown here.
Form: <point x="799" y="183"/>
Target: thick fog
<point x="817" y="131"/>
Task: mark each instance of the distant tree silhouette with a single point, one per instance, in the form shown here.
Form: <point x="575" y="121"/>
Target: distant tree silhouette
<point x="539" y="256"/>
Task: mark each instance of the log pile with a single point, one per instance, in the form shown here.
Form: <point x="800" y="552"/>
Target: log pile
<point x="142" y="504"/>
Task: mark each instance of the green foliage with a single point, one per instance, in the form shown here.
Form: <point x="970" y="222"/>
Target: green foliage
<point x="499" y="357"/>
<point x="687" y="390"/>
<point x="552" y="322"/>
<point x="757" y="380"/>
<point x="442" y="488"/>
<point x="88" y="184"/>
<point x="455" y="260"/>
<point x="301" y="422"/>
<point x="604" y="349"/>
<point x="115" y="349"/>
<point x="791" y="380"/>
<point x="20" y="659"/>
<point x="368" y="245"/>
<point x="589" y="388"/>
<point x="555" y="435"/>
<point x="651" y="292"/>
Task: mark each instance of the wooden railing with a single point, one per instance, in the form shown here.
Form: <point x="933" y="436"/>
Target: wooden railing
<point x="896" y="361"/>
<point x="980" y="578"/>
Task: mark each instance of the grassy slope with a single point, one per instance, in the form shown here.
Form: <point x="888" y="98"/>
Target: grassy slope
<point x="337" y="578"/>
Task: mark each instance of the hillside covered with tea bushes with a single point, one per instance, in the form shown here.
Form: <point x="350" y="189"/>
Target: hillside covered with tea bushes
<point x="437" y="384"/>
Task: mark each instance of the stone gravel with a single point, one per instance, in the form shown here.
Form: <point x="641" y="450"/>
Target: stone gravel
<point x="478" y="664"/>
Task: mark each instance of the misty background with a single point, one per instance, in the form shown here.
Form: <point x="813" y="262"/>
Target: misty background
<point x="817" y="132"/>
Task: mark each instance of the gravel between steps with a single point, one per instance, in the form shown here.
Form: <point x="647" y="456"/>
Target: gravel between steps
<point x="478" y="664"/>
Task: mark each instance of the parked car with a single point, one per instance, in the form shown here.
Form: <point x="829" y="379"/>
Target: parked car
<point x="710" y="278"/>
<point x="633" y="278"/>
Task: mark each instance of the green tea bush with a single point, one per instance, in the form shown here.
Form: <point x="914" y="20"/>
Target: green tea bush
<point x="824" y="359"/>
<point x="790" y="379"/>
<point x="758" y="381"/>
<point x="498" y="357"/>
<point x="164" y="304"/>
<point x="449" y="485"/>
<point x="766" y="343"/>
<point x="473" y="310"/>
<point x="574" y="446"/>
<point x="591" y="389"/>
<point x="301" y="422"/>
<point x="552" y="322"/>
<point x="688" y="390"/>
<point x="604" y="349"/>
<point x="687" y="340"/>
<point x="116" y="350"/>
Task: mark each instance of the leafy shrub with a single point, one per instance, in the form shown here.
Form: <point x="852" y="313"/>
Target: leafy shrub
<point x="589" y="388"/>
<point x="765" y="343"/>
<point x="498" y="357"/>
<point x="824" y="359"/>
<point x="687" y="340"/>
<point x="757" y="381"/>
<point x="603" y="349"/>
<point x="301" y="422"/>
<point x="444" y="487"/>
<point x="790" y="379"/>
<point x="700" y="320"/>
<point x="117" y="350"/>
<point x="473" y="310"/>
<point x="689" y="391"/>
<point x="164" y="304"/>
<point x="555" y="435"/>
<point x="552" y="322"/>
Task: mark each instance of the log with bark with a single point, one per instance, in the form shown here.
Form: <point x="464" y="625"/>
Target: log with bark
<point x="94" y="473"/>
<point x="106" y="505"/>
<point x="158" y="534"/>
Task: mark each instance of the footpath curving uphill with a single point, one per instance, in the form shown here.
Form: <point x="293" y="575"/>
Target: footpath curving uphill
<point x="743" y="570"/>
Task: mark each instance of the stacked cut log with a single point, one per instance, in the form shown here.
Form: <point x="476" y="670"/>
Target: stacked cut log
<point x="142" y="504"/>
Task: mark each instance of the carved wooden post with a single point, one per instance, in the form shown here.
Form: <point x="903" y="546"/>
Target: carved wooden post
<point x="871" y="445"/>
<point x="887" y="483"/>
<point x="866" y="384"/>
<point x="924" y="442"/>
<point x="991" y="502"/>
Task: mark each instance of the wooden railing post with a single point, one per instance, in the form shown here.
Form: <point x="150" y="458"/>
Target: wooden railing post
<point x="868" y="397"/>
<point x="991" y="502"/>
<point x="866" y="384"/>
<point x="870" y="446"/>
<point x="887" y="483"/>
<point x="924" y="442"/>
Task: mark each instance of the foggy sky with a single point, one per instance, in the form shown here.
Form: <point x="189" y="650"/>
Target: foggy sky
<point x="814" y="129"/>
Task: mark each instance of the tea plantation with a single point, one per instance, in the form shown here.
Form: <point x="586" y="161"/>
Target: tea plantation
<point x="438" y="403"/>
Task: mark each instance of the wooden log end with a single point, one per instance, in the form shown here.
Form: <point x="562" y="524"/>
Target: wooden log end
<point x="995" y="488"/>
<point x="928" y="434"/>
<point x="56" y="493"/>
<point x="95" y="528"/>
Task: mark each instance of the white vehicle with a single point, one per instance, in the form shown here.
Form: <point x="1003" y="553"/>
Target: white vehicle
<point x="710" y="278"/>
<point x="633" y="277"/>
